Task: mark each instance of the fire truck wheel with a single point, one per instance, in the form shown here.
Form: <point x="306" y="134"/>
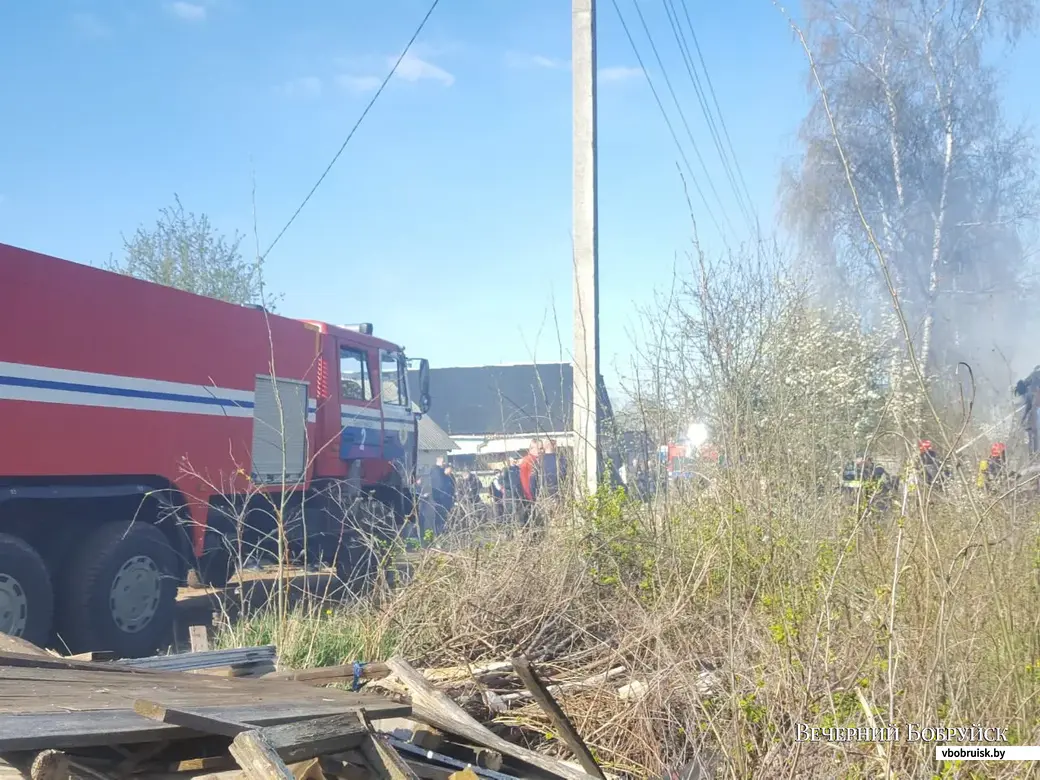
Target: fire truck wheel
<point x="26" y="595"/>
<point x="214" y="569"/>
<point x="120" y="591"/>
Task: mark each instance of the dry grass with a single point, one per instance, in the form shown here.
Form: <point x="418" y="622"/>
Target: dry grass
<point x="804" y="616"/>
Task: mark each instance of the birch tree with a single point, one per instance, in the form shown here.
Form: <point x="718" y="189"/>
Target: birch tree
<point x="946" y="185"/>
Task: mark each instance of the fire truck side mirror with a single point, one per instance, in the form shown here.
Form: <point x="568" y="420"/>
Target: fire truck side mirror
<point x="424" y="385"/>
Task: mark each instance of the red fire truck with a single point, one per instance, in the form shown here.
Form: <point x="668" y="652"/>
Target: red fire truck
<point x="146" y="432"/>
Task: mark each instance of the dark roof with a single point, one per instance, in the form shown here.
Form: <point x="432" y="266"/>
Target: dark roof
<point x="432" y="437"/>
<point x="514" y="400"/>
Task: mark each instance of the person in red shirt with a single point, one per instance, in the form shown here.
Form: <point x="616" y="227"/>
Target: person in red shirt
<point x="529" y="467"/>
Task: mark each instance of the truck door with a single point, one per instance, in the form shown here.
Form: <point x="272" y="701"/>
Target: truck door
<point x="398" y="420"/>
<point x="360" y="418"/>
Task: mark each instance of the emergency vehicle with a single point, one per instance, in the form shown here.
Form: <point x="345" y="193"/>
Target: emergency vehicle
<point x="146" y="432"/>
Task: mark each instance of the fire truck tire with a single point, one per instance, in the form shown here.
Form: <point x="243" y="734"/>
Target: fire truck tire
<point x="120" y="591"/>
<point x="214" y="569"/>
<point x="26" y="593"/>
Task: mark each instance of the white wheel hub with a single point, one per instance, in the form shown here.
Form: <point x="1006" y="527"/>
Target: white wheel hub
<point x="134" y="597"/>
<point x="14" y="606"/>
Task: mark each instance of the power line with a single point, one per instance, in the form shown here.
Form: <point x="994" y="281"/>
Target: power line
<point x="718" y="109"/>
<point x="691" y="70"/>
<point x="667" y="121"/>
<point x="354" y="129"/>
<point x="682" y="116"/>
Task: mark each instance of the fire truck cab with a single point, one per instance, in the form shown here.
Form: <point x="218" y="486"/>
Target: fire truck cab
<point x="146" y="432"/>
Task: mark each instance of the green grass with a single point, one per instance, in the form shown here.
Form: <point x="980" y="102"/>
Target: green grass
<point x="325" y="635"/>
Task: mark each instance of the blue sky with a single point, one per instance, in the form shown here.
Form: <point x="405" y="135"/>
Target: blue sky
<point x="446" y="222"/>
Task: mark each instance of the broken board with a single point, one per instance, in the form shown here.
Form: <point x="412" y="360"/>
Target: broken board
<point x="80" y="707"/>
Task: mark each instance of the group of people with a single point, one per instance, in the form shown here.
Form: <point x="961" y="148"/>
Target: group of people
<point x="442" y="492"/>
<point x="992" y="471"/>
<point x="865" y="478"/>
<point x="514" y="491"/>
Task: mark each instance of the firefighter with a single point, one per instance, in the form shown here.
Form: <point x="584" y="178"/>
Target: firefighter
<point x="994" y="468"/>
<point x="871" y="479"/>
<point x="997" y="460"/>
<point x="929" y="462"/>
<point x="1026" y="388"/>
<point x="983" y="479"/>
<point x="882" y="486"/>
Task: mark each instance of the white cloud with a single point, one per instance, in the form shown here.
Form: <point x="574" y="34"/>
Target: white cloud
<point x="188" y="12"/>
<point x="413" y="68"/>
<point x="548" y="62"/>
<point x="517" y="60"/>
<point x="359" y="83"/>
<point x="619" y="73"/>
<point x="306" y="87"/>
<point x="90" y="26"/>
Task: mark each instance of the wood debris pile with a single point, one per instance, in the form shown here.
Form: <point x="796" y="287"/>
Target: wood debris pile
<point x="227" y="715"/>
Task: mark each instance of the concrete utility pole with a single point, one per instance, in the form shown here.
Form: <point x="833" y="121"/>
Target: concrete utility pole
<point x="586" y="249"/>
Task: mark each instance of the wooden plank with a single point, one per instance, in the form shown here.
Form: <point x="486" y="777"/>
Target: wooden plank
<point x="188" y="719"/>
<point x="15" y="644"/>
<point x="294" y="742"/>
<point x="253" y="669"/>
<point x="93" y="655"/>
<point x="324" y="675"/>
<point x="203" y="764"/>
<point x="559" y="718"/>
<point x="26" y="690"/>
<point x="183" y="662"/>
<point x="306" y="739"/>
<point x="102" y="727"/>
<point x="199" y="638"/>
<point x="387" y="763"/>
<point x="435" y="708"/>
<point x="379" y="671"/>
<point x="47" y="661"/>
<point x="258" y="758"/>
<point x="57" y="680"/>
<point x="307" y="770"/>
